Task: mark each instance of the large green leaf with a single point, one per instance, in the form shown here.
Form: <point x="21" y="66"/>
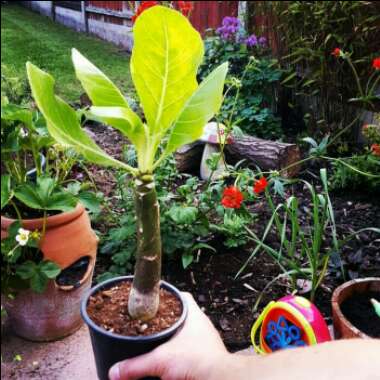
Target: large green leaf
<point x="110" y="106"/>
<point x="62" y="121"/>
<point x="165" y="58"/>
<point x="198" y="110"/>
<point x="125" y="121"/>
<point x="98" y="86"/>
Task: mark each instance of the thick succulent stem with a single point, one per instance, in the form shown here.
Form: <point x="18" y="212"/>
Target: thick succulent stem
<point x="144" y="297"/>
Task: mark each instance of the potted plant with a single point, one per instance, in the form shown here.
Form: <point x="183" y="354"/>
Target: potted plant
<point x="165" y="58"/>
<point x="45" y="231"/>
<point x="354" y="309"/>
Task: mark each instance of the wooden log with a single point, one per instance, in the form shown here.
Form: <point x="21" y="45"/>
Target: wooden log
<point x="188" y="157"/>
<point x="266" y="154"/>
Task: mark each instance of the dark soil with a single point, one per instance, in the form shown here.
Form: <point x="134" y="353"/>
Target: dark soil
<point x="360" y="312"/>
<point x="72" y="275"/>
<point x="109" y="310"/>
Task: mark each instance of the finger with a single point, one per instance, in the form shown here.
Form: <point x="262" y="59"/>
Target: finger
<point x="151" y="364"/>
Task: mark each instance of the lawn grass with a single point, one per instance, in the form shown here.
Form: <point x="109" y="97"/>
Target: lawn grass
<point x="27" y="36"/>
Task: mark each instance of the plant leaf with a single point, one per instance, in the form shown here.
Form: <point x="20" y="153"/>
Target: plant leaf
<point x="26" y="270"/>
<point x="100" y="89"/>
<point x="50" y="269"/>
<point x="166" y="55"/>
<point x="198" y="110"/>
<point x="187" y="259"/>
<point x="6" y="192"/>
<point x="62" y="121"/>
<point x="62" y="201"/>
<point x="38" y="282"/>
<point x="28" y="195"/>
<point x="125" y="120"/>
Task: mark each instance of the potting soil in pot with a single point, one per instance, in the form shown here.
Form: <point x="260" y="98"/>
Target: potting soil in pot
<point x="360" y="312"/>
<point x="109" y="310"/>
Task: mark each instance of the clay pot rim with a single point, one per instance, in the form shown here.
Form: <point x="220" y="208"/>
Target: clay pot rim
<point x="140" y="338"/>
<point x="336" y="305"/>
<point x="51" y="221"/>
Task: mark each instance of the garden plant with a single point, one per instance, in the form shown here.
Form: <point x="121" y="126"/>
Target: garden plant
<point x="175" y="108"/>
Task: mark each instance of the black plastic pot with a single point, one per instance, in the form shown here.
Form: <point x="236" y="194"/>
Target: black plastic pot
<point x="110" y="348"/>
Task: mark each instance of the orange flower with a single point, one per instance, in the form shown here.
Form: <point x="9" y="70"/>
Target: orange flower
<point x="336" y="52"/>
<point x="375" y="149"/>
<point x="376" y="63"/>
<point x="260" y="185"/>
<point x="232" y="197"/>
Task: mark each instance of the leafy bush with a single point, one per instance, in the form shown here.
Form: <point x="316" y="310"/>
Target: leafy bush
<point x="13" y="89"/>
<point x="344" y="177"/>
<point x="191" y="215"/>
<point x="257" y="78"/>
<point x="309" y="32"/>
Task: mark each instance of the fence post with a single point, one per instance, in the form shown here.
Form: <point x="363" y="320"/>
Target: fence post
<point x="53" y="10"/>
<point x="243" y="14"/>
<point x="84" y="16"/>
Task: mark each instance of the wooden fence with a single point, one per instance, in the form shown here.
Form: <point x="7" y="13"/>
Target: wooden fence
<point x="112" y="20"/>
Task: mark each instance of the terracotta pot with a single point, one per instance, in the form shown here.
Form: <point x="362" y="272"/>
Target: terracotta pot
<point x="48" y="316"/>
<point x="56" y="312"/>
<point x="342" y="327"/>
<point x="68" y="237"/>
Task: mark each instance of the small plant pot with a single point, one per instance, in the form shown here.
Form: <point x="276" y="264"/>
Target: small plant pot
<point x="110" y="348"/>
<point x="51" y="315"/>
<point x="55" y="313"/>
<point x="343" y="328"/>
<point x="68" y="236"/>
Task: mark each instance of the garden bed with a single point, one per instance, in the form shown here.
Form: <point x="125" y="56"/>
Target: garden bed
<point x="211" y="280"/>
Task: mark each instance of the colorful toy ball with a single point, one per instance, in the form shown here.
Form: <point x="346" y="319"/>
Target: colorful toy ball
<point x="292" y="321"/>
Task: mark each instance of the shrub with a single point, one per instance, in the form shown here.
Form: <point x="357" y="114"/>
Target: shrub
<point x="309" y="32"/>
<point x="257" y="73"/>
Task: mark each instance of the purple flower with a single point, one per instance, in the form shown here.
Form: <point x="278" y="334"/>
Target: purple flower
<point x="263" y="41"/>
<point x="251" y="41"/>
<point x="230" y="26"/>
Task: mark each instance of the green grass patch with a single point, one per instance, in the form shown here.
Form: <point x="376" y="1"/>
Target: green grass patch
<point x="28" y="36"/>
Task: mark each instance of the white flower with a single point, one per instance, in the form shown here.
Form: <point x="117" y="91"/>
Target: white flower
<point x="23" y="132"/>
<point x="23" y="236"/>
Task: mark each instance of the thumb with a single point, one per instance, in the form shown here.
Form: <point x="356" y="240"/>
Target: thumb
<point x="151" y="364"/>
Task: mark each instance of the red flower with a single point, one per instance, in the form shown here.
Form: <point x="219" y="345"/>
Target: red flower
<point x="260" y="185"/>
<point x="376" y="63"/>
<point x="232" y="197"/>
<point x="375" y="148"/>
<point x="143" y="7"/>
<point x="336" y="52"/>
<point x="186" y="7"/>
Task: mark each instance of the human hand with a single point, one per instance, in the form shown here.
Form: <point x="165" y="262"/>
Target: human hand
<point x="196" y="353"/>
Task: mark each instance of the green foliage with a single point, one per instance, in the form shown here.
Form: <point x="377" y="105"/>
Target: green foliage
<point x="21" y="266"/>
<point x="45" y="194"/>
<point x="27" y="145"/>
<point x="257" y="78"/>
<point x="302" y="253"/>
<point x="344" y="177"/>
<point x="13" y="88"/>
<point x="176" y="109"/>
<point x="308" y="32"/>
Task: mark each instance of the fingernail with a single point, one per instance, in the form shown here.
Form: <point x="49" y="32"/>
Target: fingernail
<point x="114" y="373"/>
